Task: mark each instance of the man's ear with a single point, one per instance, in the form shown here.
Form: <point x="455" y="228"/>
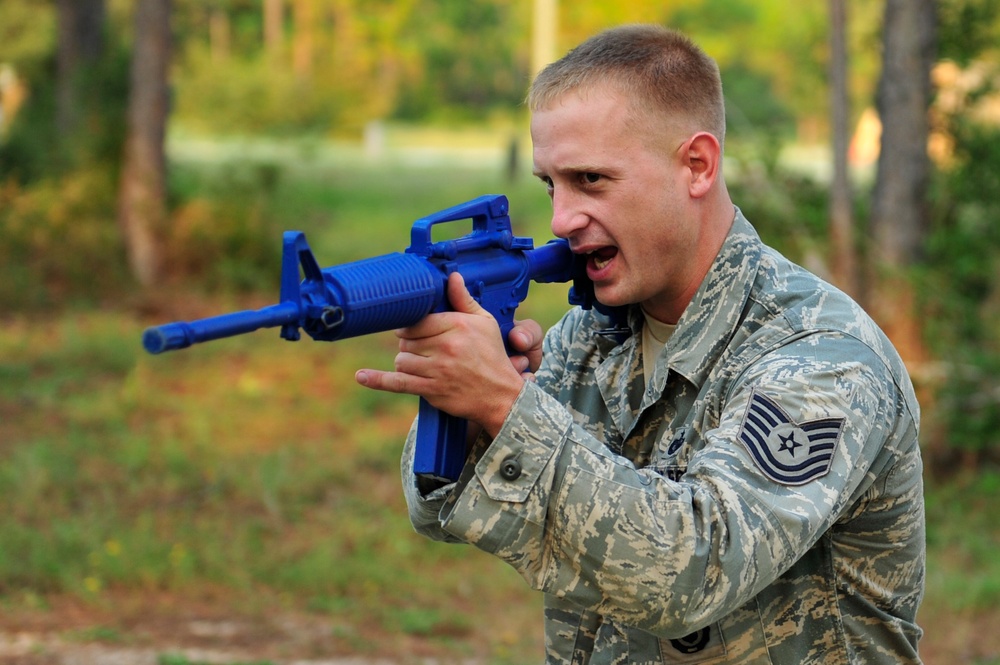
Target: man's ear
<point x="703" y="156"/>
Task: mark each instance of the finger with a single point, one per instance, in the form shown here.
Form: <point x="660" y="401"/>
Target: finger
<point x="392" y="382"/>
<point x="521" y="364"/>
<point x="415" y="365"/>
<point x="525" y="336"/>
<point x="460" y="298"/>
<point x="411" y="338"/>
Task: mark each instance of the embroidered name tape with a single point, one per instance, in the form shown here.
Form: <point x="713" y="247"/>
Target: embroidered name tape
<point x="787" y="452"/>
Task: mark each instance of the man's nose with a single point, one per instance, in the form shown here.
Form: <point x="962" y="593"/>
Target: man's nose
<point x="567" y="216"/>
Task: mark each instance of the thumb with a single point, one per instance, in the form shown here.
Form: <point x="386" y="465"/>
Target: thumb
<point x="460" y="298"/>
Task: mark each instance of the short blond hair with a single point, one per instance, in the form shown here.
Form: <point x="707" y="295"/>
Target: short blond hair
<point x="662" y="71"/>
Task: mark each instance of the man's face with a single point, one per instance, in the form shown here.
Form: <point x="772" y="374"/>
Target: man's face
<point x="619" y="193"/>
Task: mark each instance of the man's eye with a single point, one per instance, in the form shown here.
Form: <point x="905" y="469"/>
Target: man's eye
<point x="591" y="178"/>
<point x="547" y="181"/>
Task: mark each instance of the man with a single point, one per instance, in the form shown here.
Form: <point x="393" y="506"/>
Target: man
<point x="728" y="474"/>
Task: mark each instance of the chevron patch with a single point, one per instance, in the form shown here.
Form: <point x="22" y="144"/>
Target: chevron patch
<point x="787" y="452"/>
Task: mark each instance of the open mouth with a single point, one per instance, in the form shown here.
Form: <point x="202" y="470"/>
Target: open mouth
<point x="600" y="258"/>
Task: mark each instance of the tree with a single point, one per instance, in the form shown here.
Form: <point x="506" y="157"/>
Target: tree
<point x="961" y="287"/>
<point x="304" y="40"/>
<point x="80" y="45"/>
<point x="841" y="218"/>
<point x="900" y="212"/>
<point x="274" y="21"/>
<point x="142" y="190"/>
<point x="900" y="209"/>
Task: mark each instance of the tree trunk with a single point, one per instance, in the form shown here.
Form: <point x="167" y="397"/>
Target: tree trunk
<point x="303" y="39"/>
<point x="844" y="257"/>
<point x="219" y="34"/>
<point x="274" y="21"/>
<point x="899" y="212"/>
<point x="81" y="44"/>
<point x="544" y="28"/>
<point x="142" y="192"/>
<point x="899" y="208"/>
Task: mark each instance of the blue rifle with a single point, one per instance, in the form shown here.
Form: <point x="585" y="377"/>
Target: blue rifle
<point x="398" y="290"/>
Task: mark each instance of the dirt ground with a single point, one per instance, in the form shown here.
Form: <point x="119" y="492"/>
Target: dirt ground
<point x="181" y="631"/>
<point x="172" y="631"/>
<point x="960" y="638"/>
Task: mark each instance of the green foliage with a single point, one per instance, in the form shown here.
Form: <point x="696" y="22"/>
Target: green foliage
<point x="967" y="29"/>
<point x="366" y="61"/>
<point x="460" y="60"/>
<point x="740" y="35"/>
<point x="961" y="283"/>
<point x="34" y="148"/>
<point x="29" y="148"/>
<point x="248" y="95"/>
<point x="962" y="540"/>
<point x="58" y="185"/>
<point x="715" y="16"/>
<point x="59" y="243"/>
<point x="789" y="211"/>
<point x="224" y="230"/>
<point x="758" y="125"/>
<point x="963" y="288"/>
<point x="473" y="60"/>
<point x="27" y="34"/>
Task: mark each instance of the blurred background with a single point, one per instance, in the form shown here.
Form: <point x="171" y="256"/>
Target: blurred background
<point x="239" y="501"/>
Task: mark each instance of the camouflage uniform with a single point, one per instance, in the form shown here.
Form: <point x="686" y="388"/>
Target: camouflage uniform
<point x="758" y="501"/>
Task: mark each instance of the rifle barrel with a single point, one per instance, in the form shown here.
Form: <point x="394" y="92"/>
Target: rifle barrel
<point x="182" y="334"/>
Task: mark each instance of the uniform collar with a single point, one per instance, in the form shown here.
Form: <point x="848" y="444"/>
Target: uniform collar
<point x="714" y="313"/>
<point x="703" y="331"/>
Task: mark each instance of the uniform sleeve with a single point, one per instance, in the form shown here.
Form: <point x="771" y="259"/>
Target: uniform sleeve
<point x="425" y="504"/>
<point x="584" y="524"/>
<point x="425" y="500"/>
<point x="422" y="503"/>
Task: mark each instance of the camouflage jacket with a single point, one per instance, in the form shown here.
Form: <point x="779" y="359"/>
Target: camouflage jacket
<point x="758" y="500"/>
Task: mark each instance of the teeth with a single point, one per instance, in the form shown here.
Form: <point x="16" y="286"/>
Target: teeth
<point x="599" y="261"/>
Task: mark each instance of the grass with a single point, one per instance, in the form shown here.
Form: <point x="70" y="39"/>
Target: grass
<point x="255" y="466"/>
<point x="248" y="468"/>
<point x="254" y="474"/>
<point x="963" y="539"/>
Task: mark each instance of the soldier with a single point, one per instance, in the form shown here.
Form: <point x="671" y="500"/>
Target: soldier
<point x="722" y="465"/>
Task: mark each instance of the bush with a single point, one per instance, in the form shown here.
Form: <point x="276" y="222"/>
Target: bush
<point x="961" y="288"/>
<point x="222" y="232"/>
<point x="59" y="241"/>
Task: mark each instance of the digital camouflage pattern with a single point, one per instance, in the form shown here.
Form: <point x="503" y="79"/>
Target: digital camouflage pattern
<point x="759" y="501"/>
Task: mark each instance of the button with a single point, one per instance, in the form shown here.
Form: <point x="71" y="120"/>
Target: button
<point x="692" y="643"/>
<point x="510" y="468"/>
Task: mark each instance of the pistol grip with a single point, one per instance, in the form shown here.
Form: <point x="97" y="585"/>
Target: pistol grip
<point x="440" y="449"/>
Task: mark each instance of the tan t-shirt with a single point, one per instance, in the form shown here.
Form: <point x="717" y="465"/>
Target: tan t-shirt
<point x="655" y="335"/>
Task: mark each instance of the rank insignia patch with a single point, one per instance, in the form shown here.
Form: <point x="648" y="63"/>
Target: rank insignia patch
<point x="787" y="452"/>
